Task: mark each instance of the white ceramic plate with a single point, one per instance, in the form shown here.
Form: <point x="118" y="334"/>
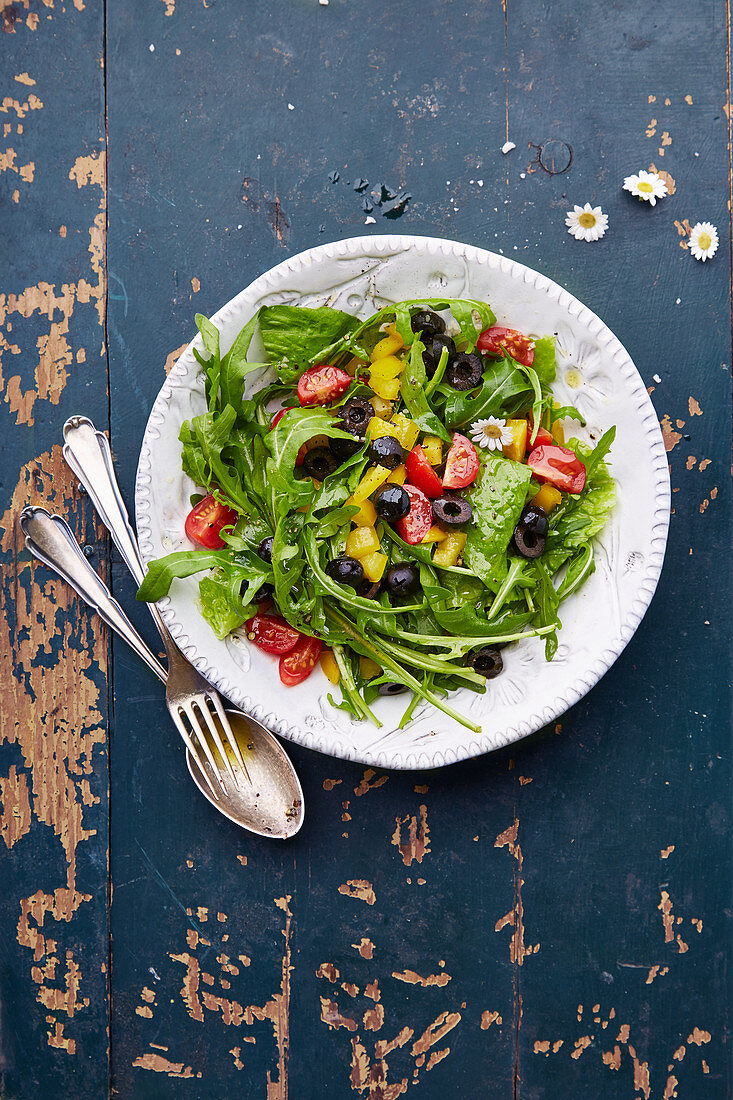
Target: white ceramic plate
<point x="594" y="373"/>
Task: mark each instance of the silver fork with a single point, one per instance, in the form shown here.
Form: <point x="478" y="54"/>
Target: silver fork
<point x="50" y="539"/>
<point x="189" y="696"/>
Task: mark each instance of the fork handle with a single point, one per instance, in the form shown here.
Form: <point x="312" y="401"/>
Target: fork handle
<point x="51" y="540"/>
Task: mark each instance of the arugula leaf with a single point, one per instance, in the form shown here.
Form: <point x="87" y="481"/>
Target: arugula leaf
<point x="497" y="501"/>
<point x="587" y="514"/>
<point x="503" y="390"/>
<point x="544" y="360"/>
<point x="184" y="563"/>
<point x="295" y="336"/>
<point x="412" y="389"/>
<point x="294" y="429"/>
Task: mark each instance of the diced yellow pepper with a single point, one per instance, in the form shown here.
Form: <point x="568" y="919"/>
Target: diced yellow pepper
<point x="386" y="388"/>
<point x="391" y="330"/>
<point x="373" y="478"/>
<point x="367" y="514"/>
<point x="448" y="551"/>
<point x="558" y="433"/>
<point x="516" y="449"/>
<point x="361" y="542"/>
<point x="435" y="534"/>
<point x="398" y="476"/>
<point x="388" y="367"/>
<point x="329" y="666"/>
<point x="382" y="408"/>
<point x="378" y="427"/>
<point x="386" y="347"/>
<point x="548" y="498"/>
<point x="374" y="566"/>
<point x="406" y="431"/>
<point x="432" y="447"/>
<point x="368" y="668"/>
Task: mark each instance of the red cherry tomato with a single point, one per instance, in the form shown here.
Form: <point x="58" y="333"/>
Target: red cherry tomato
<point x="272" y="633"/>
<point x="205" y="521"/>
<point x="498" y="339"/>
<point x="296" y="666"/>
<point x="422" y="474"/>
<point x="462" y="464"/>
<point x="543" y="438"/>
<point x="278" y="417"/>
<point x="559" y="466"/>
<point x="415" y="525"/>
<point x="322" y="384"/>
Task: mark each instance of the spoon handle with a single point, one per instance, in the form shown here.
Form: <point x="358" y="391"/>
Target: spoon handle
<point x="51" y="540"/>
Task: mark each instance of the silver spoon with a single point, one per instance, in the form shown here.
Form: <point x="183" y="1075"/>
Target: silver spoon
<point x="273" y="805"/>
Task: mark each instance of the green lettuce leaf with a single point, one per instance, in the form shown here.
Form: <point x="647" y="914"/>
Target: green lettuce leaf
<point x="504" y="390"/>
<point x="295" y="336"/>
<point x="412" y="388"/>
<point x="497" y="501"/>
<point x="544" y="360"/>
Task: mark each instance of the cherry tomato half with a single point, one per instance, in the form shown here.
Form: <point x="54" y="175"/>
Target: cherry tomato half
<point x="205" y="521"/>
<point x="498" y="339"/>
<point x="296" y="666"/>
<point x="322" y="384"/>
<point x="272" y="633"/>
<point x="462" y="464"/>
<point x="415" y="525"/>
<point x="543" y="439"/>
<point x="422" y="474"/>
<point x="558" y="466"/>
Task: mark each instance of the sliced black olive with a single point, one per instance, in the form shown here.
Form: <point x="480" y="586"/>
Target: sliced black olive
<point x="346" y="571"/>
<point x="356" y="414"/>
<point x="386" y="451"/>
<point x="391" y="689"/>
<point x="464" y="371"/>
<point x="367" y="590"/>
<point x="265" y="549"/>
<point x="487" y="662"/>
<point x="434" y="349"/>
<point x="392" y="502"/>
<point x="264" y="592"/>
<point x="452" y="510"/>
<point x="320" y="462"/>
<point x="402" y="578"/>
<point x="530" y="534"/>
<point x="427" y="323"/>
<point x="345" y="448"/>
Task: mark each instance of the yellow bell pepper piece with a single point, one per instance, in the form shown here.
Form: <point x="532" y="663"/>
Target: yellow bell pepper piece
<point x="548" y="498"/>
<point x="329" y="666"/>
<point x="373" y="478"/>
<point x="398" y="476"/>
<point x="432" y="447"/>
<point x="368" y="668"/>
<point x="558" y="433"/>
<point x="386" y="388"/>
<point x="367" y="514"/>
<point x="388" y="367"/>
<point x="378" y="427"/>
<point x="406" y="430"/>
<point x="516" y="449"/>
<point x="386" y="347"/>
<point x="448" y="551"/>
<point x="435" y="534"/>
<point x="361" y="542"/>
<point x="374" y="565"/>
<point x="382" y="408"/>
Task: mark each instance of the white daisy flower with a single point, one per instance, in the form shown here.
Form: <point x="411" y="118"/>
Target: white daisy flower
<point x="492" y="433"/>
<point x="648" y="186"/>
<point x="586" y="223"/>
<point x="704" y="241"/>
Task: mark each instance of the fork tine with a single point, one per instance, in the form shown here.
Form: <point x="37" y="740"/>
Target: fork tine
<point x="188" y="709"/>
<point x="203" y="704"/>
<point x="193" y="749"/>
<point x="225" y="725"/>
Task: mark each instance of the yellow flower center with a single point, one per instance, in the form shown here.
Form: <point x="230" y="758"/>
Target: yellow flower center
<point x="644" y="185"/>
<point x="493" y="431"/>
<point x="587" y="220"/>
<point x="704" y="241"/>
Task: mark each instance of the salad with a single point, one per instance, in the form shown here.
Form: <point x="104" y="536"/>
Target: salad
<point x="398" y="502"/>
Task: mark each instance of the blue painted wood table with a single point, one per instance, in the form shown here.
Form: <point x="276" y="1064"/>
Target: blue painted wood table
<point x="548" y="921"/>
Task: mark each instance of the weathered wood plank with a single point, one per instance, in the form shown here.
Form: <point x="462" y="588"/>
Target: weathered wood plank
<point x="53" y="740"/>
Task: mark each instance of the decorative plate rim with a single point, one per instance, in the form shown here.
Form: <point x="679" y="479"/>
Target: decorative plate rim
<point x="474" y="745"/>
